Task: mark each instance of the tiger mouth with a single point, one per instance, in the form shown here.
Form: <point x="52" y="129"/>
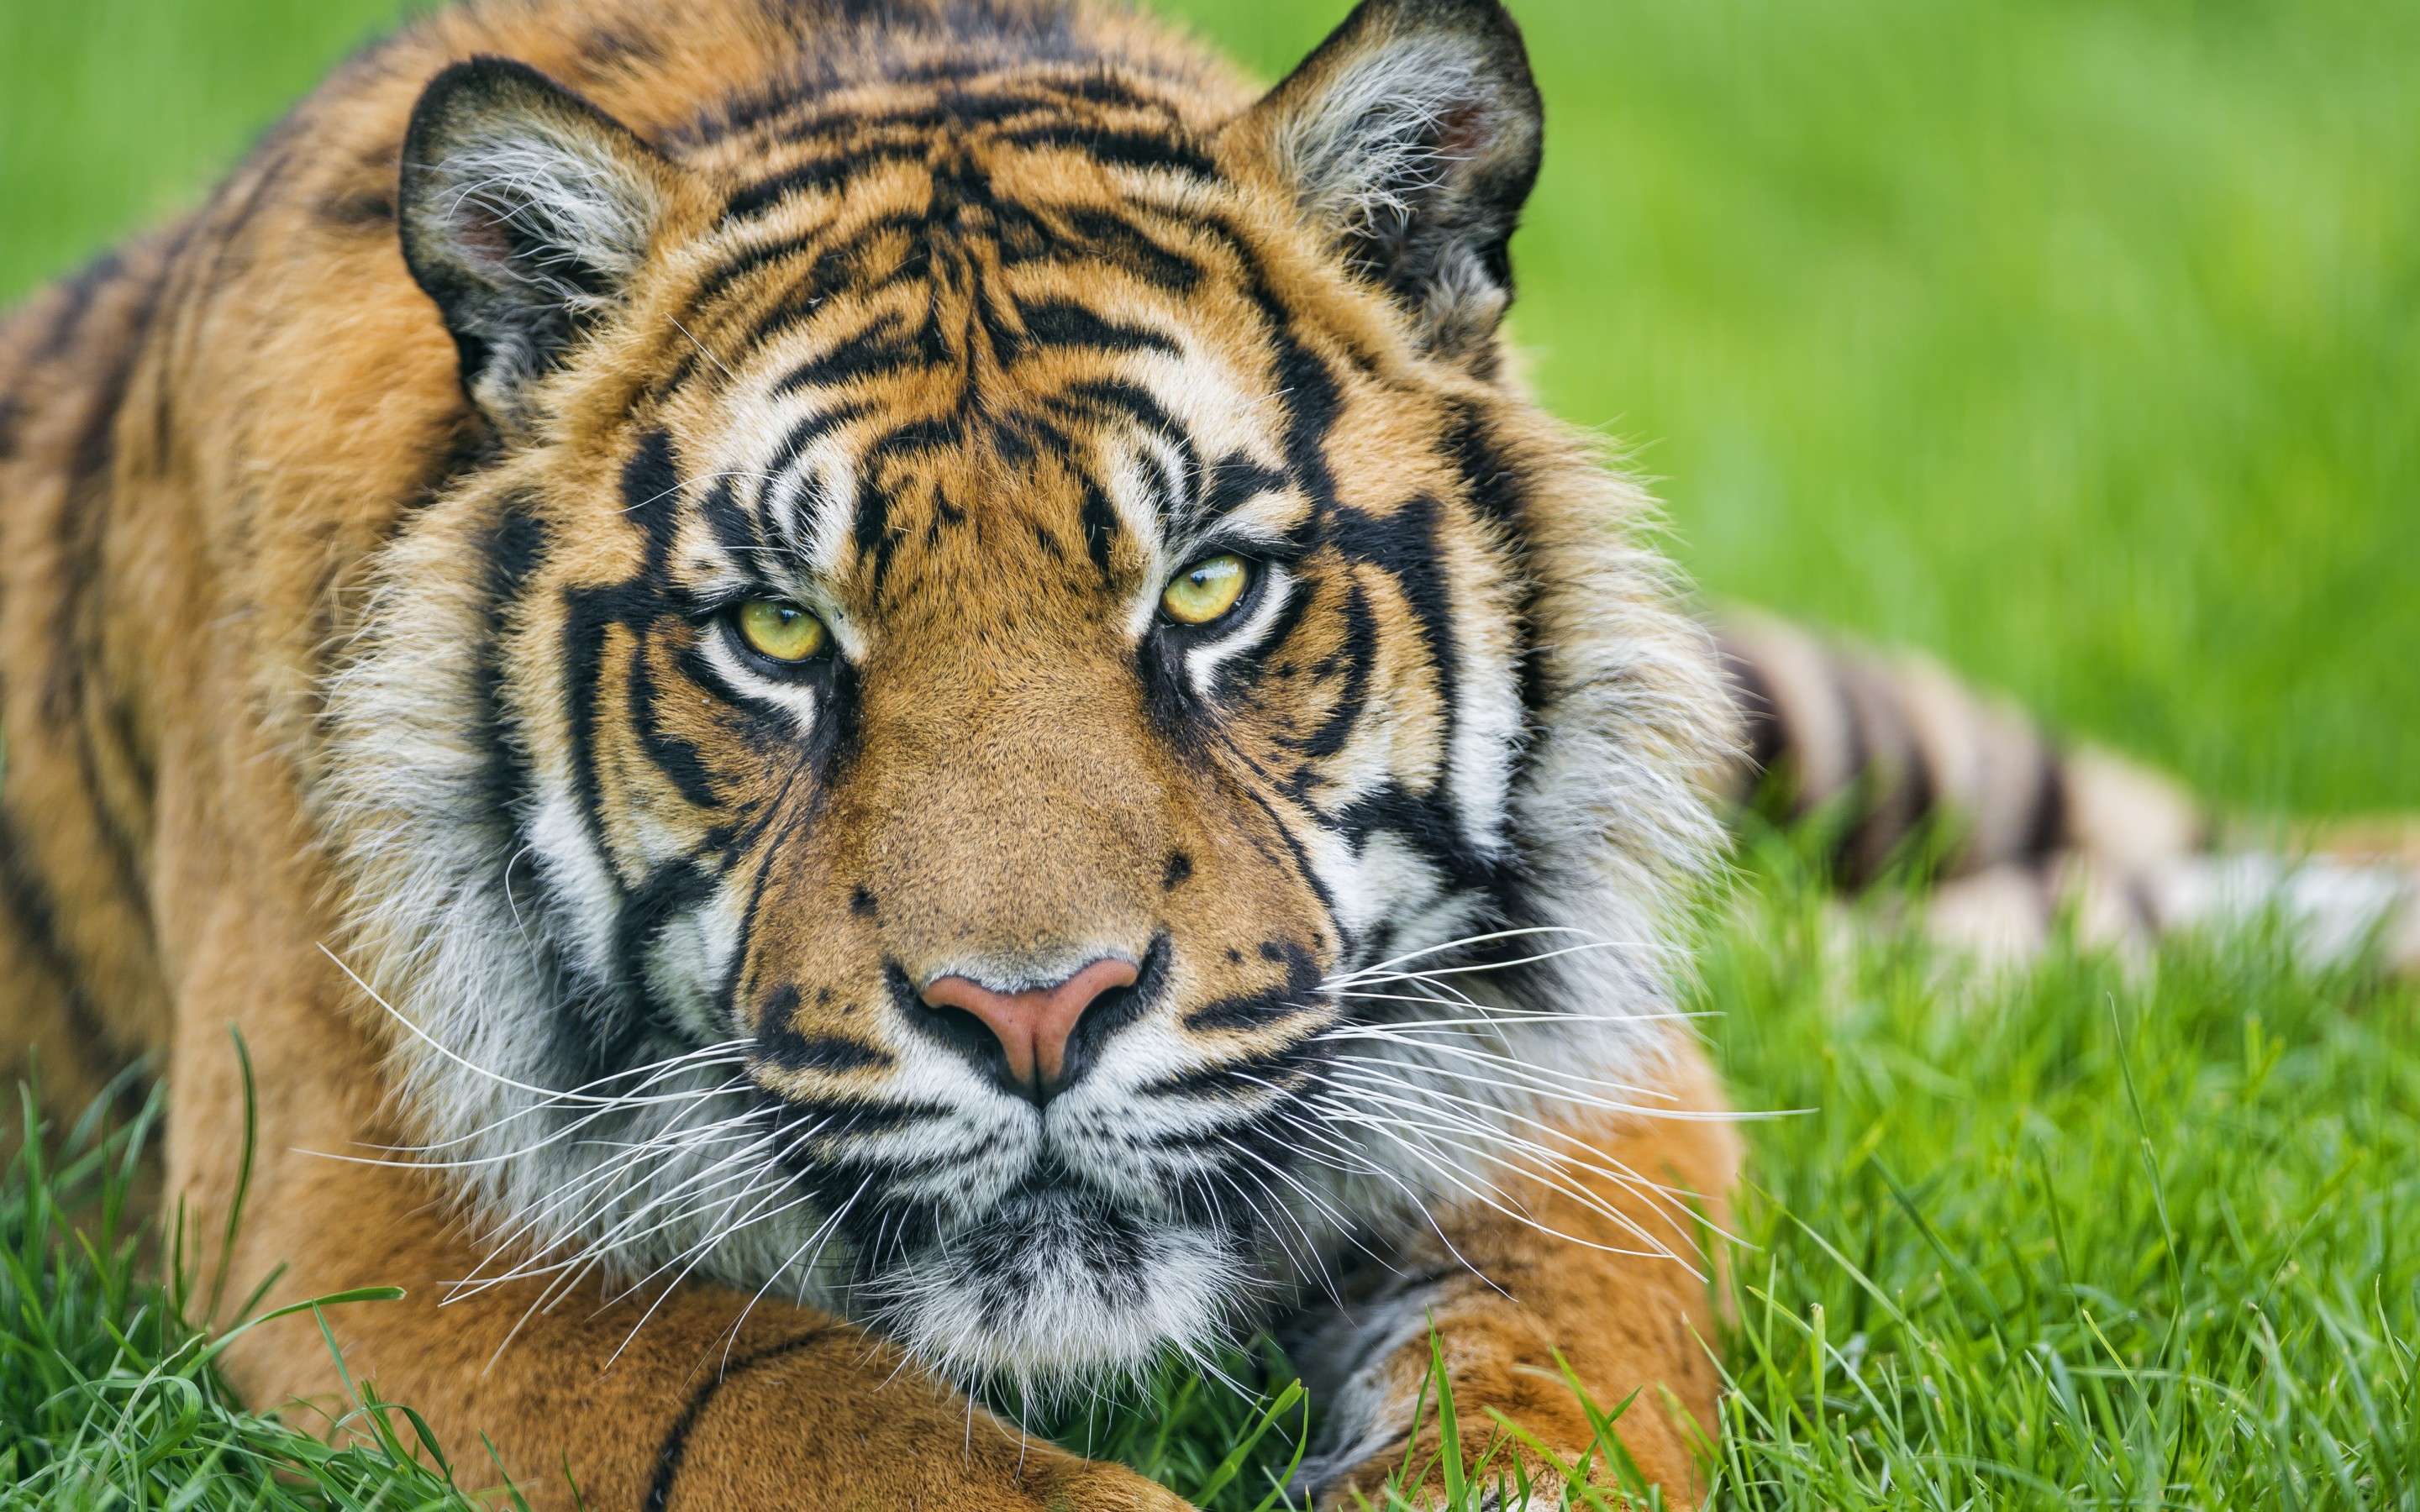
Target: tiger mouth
<point x="1012" y="1260"/>
<point x="1058" y="1283"/>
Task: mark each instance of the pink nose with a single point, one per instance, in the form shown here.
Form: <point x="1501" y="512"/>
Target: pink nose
<point x="1033" y="1026"/>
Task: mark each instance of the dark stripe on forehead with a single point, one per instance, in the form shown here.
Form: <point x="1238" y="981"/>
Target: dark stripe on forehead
<point x="1065" y="323"/>
<point x="882" y="349"/>
<point x="1100" y="525"/>
<point x="1235" y="480"/>
<point x="990" y="71"/>
<point x="806" y="433"/>
<point x="821" y="174"/>
<point x="651" y="494"/>
<point x="1130" y="146"/>
<point x="989" y="105"/>
<point x="1114" y="397"/>
<point x="1127" y="246"/>
<point x="739" y="534"/>
<point x="1119" y="148"/>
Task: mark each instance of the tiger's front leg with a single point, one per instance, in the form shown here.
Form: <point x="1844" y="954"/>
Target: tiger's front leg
<point x="1579" y="1274"/>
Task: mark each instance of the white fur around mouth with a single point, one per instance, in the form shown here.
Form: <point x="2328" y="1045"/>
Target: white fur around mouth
<point x="1057" y="1287"/>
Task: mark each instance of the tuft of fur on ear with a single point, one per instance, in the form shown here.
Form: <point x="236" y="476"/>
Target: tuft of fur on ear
<point x="1412" y="134"/>
<point x="525" y="212"/>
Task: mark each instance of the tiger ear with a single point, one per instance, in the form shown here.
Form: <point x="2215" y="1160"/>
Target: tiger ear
<point x="525" y="213"/>
<point x="1412" y="134"/>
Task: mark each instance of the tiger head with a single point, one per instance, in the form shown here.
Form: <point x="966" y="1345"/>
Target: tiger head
<point x="1019" y="731"/>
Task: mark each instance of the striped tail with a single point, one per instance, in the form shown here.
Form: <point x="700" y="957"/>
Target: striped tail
<point x="1890" y="759"/>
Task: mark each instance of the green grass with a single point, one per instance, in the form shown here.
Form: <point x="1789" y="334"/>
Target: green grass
<point x="109" y="1399"/>
<point x="2076" y="339"/>
<point x="2076" y="1236"/>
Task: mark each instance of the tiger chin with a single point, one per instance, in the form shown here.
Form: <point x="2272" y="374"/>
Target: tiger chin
<point x="849" y="699"/>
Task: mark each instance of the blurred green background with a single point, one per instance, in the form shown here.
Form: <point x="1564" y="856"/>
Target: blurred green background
<point x="2077" y="340"/>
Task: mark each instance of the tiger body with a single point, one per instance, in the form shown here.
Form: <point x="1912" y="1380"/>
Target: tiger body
<point x="374" y="550"/>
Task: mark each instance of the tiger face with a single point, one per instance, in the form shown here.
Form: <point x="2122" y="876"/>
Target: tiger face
<point x="1018" y="734"/>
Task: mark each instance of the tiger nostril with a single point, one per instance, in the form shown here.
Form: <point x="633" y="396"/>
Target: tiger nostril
<point x="1033" y="1028"/>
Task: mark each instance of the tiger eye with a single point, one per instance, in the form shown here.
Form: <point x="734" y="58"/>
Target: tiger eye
<point x="1207" y="589"/>
<point x="783" y="632"/>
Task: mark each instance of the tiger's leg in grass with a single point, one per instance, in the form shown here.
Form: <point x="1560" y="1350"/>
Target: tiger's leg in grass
<point x="1607" y="1269"/>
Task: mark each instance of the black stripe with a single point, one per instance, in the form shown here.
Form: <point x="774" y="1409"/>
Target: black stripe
<point x="1064" y="323"/>
<point x="1115" y="240"/>
<point x="822" y="174"/>
<point x="1121" y="148"/>
<point x="1100" y="86"/>
<point x="587" y="615"/>
<point x="1100" y="523"/>
<point x="1096" y="397"/>
<point x="678" y="759"/>
<point x="675" y="1442"/>
<point x="1245" y="1079"/>
<point x="651" y="494"/>
<point x="30" y="906"/>
<point x="515" y="549"/>
<point x="879" y="350"/>
<point x="1235" y="480"/>
<point x="1490" y="483"/>
<point x="2047" y="833"/>
<point x="76" y="297"/>
<point x="716" y="284"/>
<point x="1355" y="658"/>
<point x="668" y="892"/>
<point x="830" y="1055"/>
<point x="83" y="526"/>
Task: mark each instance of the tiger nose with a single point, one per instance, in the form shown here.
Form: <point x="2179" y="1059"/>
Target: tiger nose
<point x="1033" y="1026"/>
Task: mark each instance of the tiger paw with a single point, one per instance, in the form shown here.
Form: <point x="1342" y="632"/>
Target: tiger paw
<point x="1502" y="1473"/>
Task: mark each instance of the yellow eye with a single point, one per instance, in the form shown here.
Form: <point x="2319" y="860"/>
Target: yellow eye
<point x="1207" y="589"/>
<point x="783" y="631"/>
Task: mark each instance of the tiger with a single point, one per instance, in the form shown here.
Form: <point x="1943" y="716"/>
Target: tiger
<point x="821" y="711"/>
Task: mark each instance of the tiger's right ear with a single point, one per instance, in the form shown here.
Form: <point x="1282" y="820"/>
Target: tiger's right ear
<point x="525" y="213"/>
<point x="1411" y="137"/>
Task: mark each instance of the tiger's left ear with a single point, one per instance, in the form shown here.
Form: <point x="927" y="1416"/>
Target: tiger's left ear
<point x="1412" y="136"/>
<point x="526" y="212"/>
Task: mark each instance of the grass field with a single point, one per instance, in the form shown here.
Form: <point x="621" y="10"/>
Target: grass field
<point x="2079" y="341"/>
